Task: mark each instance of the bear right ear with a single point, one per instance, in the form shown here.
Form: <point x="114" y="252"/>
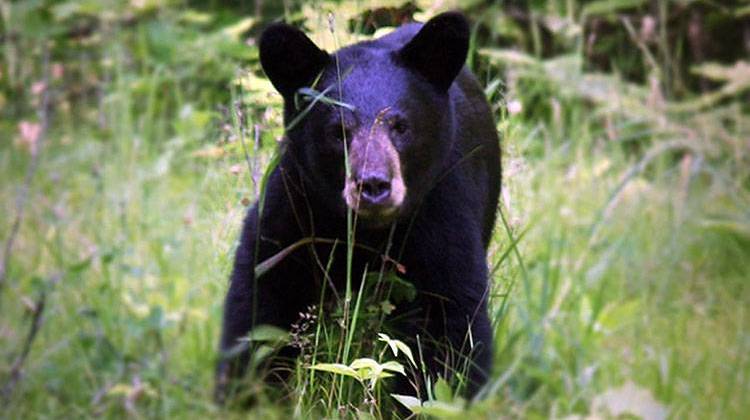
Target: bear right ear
<point x="438" y="51"/>
<point x="289" y="58"/>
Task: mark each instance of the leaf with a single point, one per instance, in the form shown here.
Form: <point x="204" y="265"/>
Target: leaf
<point x="369" y="369"/>
<point x="236" y="30"/>
<point x="407" y="351"/>
<point x="736" y="78"/>
<point x="132" y="391"/>
<point x="267" y="333"/>
<point x="120" y="389"/>
<point x="738" y="73"/>
<point x="614" y="317"/>
<point x="443" y="391"/>
<point x="412" y="403"/>
<point x="391" y="344"/>
<point x="629" y="399"/>
<point x="393" y="366"/>
<point x="195" y="17"/>
<point x="270" y="262"/>
<point x="737" y="228"/>
<point x="313" y="95"/>
<point x="437" y="409"/>
<point x="80" y="266"/>
<point x="260" y="354"/>
<point x="365" y="363"/>
<point x="508" y="56"/>
<point x="337" y="368"/>
<point x="209" y="152"/>
<point x="397" y="345"/>
<point x="608" y="7"/>
<point x="70" y="9"/>
<point x="401" y="290"/>
<point x="442" y="409"/>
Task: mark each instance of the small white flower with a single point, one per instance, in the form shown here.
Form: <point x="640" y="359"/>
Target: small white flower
<point x="515" y="107"/>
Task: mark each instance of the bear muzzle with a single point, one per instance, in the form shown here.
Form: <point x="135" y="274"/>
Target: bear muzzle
<point x="375" y="189"/>
<point x="374" y="196"/>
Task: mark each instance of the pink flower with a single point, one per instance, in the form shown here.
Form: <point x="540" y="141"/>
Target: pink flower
<point x="28" y="135"/>
<point x="38" y="87"/>
<point x="57" y="71"/>
<point x="515" y="107"/>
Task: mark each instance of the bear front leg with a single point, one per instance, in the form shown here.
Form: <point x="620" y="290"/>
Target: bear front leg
<point x="455" y="338"/>
<point x="234" y="354"/>
<point x="464" y="329"/>
<point x="251" y="302"/>
<point x="449" y="269"/>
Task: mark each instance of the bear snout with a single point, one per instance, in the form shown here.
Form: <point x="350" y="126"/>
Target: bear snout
<point x="371" y="197"/>
<point x="375" y="189"/>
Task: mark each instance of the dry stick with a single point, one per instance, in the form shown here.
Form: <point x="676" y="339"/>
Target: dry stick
<point x="23" y="193"/>
<point x="36" y="324"/>
<point x="21" y="199"/>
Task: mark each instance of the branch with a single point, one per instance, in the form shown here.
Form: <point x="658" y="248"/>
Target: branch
<point x="23" y="194"/>
<point x="36" y="324"/>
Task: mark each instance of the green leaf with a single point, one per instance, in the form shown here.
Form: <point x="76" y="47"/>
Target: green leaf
<point x="437" y="409"/>
<point x="629" y="400"/>
<point x="412" y="403"/>
<point x="337" y="368"/>
<point x="387" y="339"/>
<point x="738" y="228"/>
<point x="608" y="7"/>
<point x="313" y="95"/>
<point x="614" y="317"/>
<point x="393" y="366"/>
<point x="738" y="73"/>
<point x="407" y="351"/>
<point x="397" y="345"/>
<point x="443" y="391"/>
<point x="365" y="363"/>
<point x="442" y="409"/>
<point x="401" y="290"/>
<point x="265" y="333"/>
<point x="369" y="369"/>
<point x="260" y="354"/>
<point x="509" y="57"/>
<point x="236" y="30"/>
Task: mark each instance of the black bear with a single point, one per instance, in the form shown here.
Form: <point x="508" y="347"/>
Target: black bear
<point x="407" y="148"/>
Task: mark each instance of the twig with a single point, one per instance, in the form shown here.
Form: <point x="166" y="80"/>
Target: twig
<point x="36" y="324"/>
<point x="23" y="193"/>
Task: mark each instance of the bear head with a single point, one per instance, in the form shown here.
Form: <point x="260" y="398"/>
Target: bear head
<point x="371" y="126"/>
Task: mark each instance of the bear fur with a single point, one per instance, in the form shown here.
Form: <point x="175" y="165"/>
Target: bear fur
<point x="422" y="185"/>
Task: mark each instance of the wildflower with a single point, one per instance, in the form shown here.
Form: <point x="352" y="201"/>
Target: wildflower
<point x="28" y="135"/>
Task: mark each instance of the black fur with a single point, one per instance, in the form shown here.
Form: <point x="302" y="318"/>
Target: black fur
<point x="451" y="167"/>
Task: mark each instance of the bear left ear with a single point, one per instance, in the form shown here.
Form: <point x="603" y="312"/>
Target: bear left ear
<point x="438" y="51"/>
<point x="289" y="58"/>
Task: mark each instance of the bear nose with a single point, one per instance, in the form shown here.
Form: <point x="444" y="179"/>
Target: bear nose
<point x="375" y="189"/>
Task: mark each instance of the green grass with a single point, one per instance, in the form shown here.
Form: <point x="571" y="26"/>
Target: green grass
<point x="631" y="260"/>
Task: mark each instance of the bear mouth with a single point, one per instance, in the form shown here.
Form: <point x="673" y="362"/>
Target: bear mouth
<point x="380" y="213"/>
<point x="376" y="218"/>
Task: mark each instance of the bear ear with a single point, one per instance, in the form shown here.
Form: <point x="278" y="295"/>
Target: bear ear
<point x="438" y="51"/>
<point x="289" y="58"/>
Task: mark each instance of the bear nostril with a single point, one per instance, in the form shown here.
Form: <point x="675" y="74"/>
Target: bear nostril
<point x="375" y="189"/>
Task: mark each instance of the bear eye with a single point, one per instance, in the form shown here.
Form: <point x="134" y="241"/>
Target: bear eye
<point x="399" y="126"/>
<point x="338" y="133"/>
